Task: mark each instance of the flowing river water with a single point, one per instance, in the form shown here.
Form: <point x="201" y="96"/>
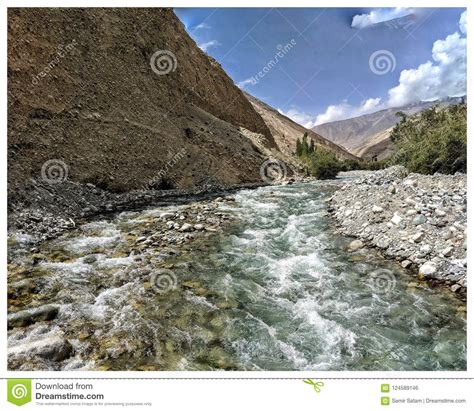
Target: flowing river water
<point x="275" y="290"/>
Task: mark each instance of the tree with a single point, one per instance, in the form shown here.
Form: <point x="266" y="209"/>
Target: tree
<point x="299" y="149"/>
<point x="305" y="147"/>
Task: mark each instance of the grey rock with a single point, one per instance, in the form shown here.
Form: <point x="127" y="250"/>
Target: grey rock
<point x="356" y="245"/>
<point x="428" y="269"/>
<point x="406" y="263"/>
<point x="186" y="227"/>
<point x="377" y="209"/>
<point x="418" y="237"/>
<point x="26" y="317"/>
<point x="419" y="219"/>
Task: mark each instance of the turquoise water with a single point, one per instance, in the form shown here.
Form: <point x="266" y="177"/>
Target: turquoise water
<point x="277" y="290"/>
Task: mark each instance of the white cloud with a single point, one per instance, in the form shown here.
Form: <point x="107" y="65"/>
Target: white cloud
<point x="445" y="76"/>
<point x="345" y="110"/>
<point x="463" y="23"/>
<point x="206" y="46"/>
<point x="248" y="81"/>
<point x="306" y="120"/>
<point x="361" y="21"/>
<point x="201" y="26"/>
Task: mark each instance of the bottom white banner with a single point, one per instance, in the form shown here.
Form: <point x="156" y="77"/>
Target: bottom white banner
<point x="230" y="394"/>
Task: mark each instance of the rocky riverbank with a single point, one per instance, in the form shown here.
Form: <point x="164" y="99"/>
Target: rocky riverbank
<point x="419" y="220"/>
<point x="52" y="209"/>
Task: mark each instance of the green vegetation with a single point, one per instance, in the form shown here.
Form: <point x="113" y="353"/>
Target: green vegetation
<point x="320" y="162"/>
<point x="433" y="141"/>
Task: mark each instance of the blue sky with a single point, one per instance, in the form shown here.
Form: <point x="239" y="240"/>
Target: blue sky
<point x="318" y="65"/>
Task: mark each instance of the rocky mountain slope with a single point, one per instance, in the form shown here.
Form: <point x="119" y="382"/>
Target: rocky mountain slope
<point x="367" y="135"/>
<point x="379" y="146"/>
<point x="119" y="98"/>
<point x="285" y="131"/>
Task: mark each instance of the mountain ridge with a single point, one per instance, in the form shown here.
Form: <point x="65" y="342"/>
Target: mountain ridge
<point x="355" y="134"/>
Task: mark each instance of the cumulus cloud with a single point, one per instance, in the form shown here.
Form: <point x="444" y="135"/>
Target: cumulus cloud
<point x="345" y="110"/>
<point x="206" y="46"/>
<point x="361" y="21"/>
<point x="445" y="76"/>
<point x="306" y="120"/>
<point x="463" y="23"/>
<point x="442" y="76"/>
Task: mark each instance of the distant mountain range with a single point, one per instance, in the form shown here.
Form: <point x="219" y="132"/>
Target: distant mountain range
<point x="369" y="135"/>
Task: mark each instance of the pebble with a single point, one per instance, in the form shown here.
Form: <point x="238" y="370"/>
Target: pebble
<point x="418" y="237"/>
<point x="356" y="245"/>
<point x="427" y="269"/>
<point x="186" y="227"/>
<point x="396" y="219"/>
<point x="419" y="219"/>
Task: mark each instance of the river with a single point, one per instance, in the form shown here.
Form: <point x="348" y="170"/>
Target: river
<point x="276" y="290"/>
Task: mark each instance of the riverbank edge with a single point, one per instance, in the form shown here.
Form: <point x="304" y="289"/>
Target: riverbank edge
<point x="56" y="208"/>
<point x="333" y="206"/>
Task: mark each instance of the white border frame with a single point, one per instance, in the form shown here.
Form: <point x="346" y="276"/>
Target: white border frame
<point x="221" y="374"/>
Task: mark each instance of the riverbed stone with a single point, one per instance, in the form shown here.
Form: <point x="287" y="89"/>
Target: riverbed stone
<point x="418" y="237"/>
<point x="419" y="219"/>
<point x="26" y="317"/>
<point x="396" y="219"/>
<point x="356" y="245"/>
<point x="377" y="209"/>
<point x="428" y="269"/>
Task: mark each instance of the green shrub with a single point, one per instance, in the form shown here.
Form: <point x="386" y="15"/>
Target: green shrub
<point x="433" y="141"/>
<point x="323" y="164"/>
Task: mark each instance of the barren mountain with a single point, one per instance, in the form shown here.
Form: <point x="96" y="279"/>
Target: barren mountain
<point x="358" y="134"/>
<point x="119" y="97"/>
<point x="285" y="131"/>
<point x="379" y="146"/>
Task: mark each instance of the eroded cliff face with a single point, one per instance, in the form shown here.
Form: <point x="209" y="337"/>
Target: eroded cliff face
<point x="82" y="91"/>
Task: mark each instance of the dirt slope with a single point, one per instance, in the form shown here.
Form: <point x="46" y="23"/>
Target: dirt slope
<point x="285" y="131"/>
<point x="380" y="145"/>
<point x="82" y="91"/>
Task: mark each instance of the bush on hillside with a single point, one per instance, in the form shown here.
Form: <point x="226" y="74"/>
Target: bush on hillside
<point x="433" y="141"/>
